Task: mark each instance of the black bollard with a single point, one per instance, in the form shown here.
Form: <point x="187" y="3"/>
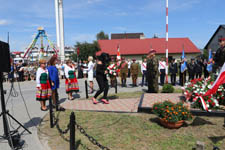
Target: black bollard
<point x="86" y="89"/>
<point x="116" y="86"/>
<point x="72" y="131"/>
<point x="51" y="113"/>
<point x="57" y="100"/>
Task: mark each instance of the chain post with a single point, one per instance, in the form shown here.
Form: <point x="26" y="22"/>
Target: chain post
<point x="51" y="113"/>
<point x="57" y="100"/>
<point x="72" y="131"/>
<point x="116" y="86"/>
<point x="86" y="89"/>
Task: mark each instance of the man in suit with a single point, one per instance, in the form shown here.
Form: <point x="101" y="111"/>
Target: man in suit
<point x="173" y="71"/>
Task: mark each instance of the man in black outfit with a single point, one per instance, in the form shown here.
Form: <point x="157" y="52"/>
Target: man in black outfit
<point x="191" y="69"/>
<point x="173" y="71"/>
<point x="198" y="68"/>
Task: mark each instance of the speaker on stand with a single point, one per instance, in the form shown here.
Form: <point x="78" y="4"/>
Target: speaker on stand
<point x="5" y="67"/>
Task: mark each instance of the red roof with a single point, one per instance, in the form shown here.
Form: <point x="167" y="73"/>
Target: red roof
<point x="142" y="46"/>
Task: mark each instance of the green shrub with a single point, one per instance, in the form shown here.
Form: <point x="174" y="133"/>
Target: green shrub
<point x="167" y="88"/>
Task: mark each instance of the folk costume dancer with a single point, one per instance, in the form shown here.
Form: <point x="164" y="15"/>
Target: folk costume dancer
<point x="123" y="72"/>
<point x="144" y="72"/>
<point x="134" y="70"/>
<point x="43" y="86"/>
<point x="71" y="80"/>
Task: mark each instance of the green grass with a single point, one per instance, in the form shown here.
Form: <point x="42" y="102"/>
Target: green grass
<point x="135" y="132"/>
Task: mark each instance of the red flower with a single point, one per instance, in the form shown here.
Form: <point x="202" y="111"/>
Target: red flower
<point x="209" y="101"/>
<point x="199" y="101"/>
<point x="222" y="98"/>
<point x="213" y="104"/>
<point x="155" y="107"/>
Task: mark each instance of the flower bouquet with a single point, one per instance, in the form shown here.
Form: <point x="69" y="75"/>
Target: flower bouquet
<point x="195" y="90"/>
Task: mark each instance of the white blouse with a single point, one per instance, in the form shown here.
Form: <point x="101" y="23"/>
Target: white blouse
<point x="38" y="75"/>
<point x="67" y="69"/>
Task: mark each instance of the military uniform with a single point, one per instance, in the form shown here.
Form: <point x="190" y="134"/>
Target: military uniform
<point x="112" y="73"/>
<point x="152" y="75"/>
<point x="123" y="72"/>
<point x="219" y="59"/>
<point x="134" y="70"/>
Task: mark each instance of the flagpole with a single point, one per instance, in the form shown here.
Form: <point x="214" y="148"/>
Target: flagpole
<point x="167" y="41"/>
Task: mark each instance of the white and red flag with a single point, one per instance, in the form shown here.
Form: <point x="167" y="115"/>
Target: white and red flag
<point x="118" y="57"/>
<point x="219" y="80"/>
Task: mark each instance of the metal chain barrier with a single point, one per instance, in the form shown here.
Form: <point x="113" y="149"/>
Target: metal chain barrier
<point x="90" y="138"/>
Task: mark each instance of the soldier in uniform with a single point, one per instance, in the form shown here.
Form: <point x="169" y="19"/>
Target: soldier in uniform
<point x="123" y="72"/>
<point x="191" y="69"/>
<point x="152" y="72"/>
<point x="134" y="70"/>
<point x="173" y="71"/>
<point x="219" y="57"/>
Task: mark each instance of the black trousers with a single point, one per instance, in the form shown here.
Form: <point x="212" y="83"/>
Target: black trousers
<point x="128" y="73"/>
<point x="173" y="79"/>
<point x="182" y="78"/>
<point x="144" y="78"/>
<point x="103" y="87"/>
<point x="162" y="76"/>
<point x="198" y="75"/>
<point x="191" y="76"/>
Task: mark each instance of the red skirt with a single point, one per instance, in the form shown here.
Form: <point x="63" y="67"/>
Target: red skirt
<point x="45" y="92"/>
<point x="72" y="86"/>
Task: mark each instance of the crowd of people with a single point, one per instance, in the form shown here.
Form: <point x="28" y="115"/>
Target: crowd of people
<point x="48" y="74"/>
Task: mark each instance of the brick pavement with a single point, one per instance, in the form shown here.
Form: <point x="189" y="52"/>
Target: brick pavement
<point x="116" y="105"/>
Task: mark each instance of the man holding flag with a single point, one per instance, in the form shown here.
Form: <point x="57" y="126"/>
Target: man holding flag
<point x="210" y="62"/>
<point x="219" y="62"/>
<point x="183" y="68"/>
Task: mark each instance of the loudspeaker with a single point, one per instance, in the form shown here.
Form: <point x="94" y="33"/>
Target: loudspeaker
<point x="4" y="57"/>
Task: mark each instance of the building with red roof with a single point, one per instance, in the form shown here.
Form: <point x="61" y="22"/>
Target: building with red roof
<point x="137" y="48"/>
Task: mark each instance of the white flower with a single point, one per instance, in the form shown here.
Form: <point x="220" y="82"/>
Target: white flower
<point x="207" y="105"/>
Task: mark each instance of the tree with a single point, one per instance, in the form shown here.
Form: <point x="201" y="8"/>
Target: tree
<point x="102" y="36"/>
<point x="87" y="49"/>
<point x="205" y="54"/>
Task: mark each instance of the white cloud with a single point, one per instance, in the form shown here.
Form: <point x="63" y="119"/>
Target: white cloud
<point x="3" y="22"/>
<point x="86" y="37"/>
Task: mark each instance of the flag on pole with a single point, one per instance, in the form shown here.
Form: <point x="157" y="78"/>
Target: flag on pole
<point x="184" y="64"/>
<point x="209" y="65"/>
<point x="219" y="80"/>
<point x="118" y="57"/>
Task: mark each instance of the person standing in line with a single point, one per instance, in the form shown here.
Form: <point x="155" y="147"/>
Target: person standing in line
<point x="173" y="71"/>
<point x="134" y="70"/>
<point x="85" y="69"/>
<point x="162" y="71"/>
<point x="80" y="71"/>
<point x="90" y="71"/>
<point x="191" y="69"/>
<point x="43" y="86"/>
<point x="152" y="72"/>
<point x="144" y="71"/>
<point x="206" y="72"/>
<point x="198" y="68"/>
<point x="112" y="72"/>
<point x="219" y="57"/>
<point x="101" y="72"/>
<point x="54" y="79"/>
<point x="71" y="80"/>
<point x="129" y="65"/>
<point x="123" y="72"/>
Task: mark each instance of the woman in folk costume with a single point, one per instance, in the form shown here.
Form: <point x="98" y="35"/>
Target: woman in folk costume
<point x="43" y="86"/>
<point x="71" y="80"/>
<point x="54" y="78"/>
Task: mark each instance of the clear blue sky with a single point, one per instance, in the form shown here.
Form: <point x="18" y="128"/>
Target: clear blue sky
<point x="196" y="19"/>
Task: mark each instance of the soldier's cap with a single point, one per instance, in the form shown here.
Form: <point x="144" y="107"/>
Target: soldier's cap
<point x="221" y="39"/>
<point x="123" y="58"/>
<point x="134" y="59"/>
<point x="152" y="51"/>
